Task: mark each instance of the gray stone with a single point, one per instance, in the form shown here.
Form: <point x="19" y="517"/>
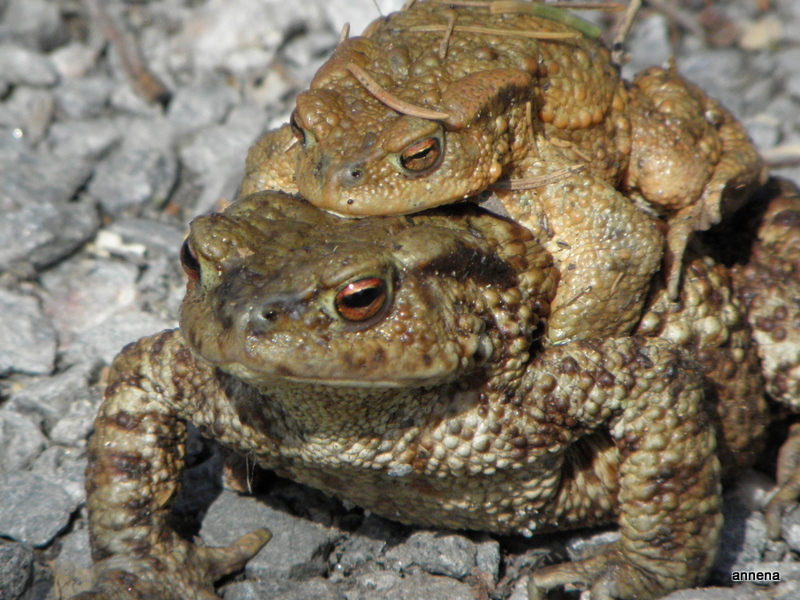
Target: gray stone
<point x="21" y="440"/>
<point x="438" y="553"/>
<point x="76" y="549"/>
<point x="35" y="510"/>
<point x="27" y="337"/>
<point x="488" y="557"/>
<point x="358" y="13"/>
<point x="786" y="571"/>
<point x="38" y="223"/>
<point x="790" y="528"/>
<point x="159" y="238"/>
<point x="366" y="544"/>
<point x="73" y="428"/>
<point x="125" y="100"/>
<point x="21" y="66"/>
<point x="66" y="467"/>
<point x="162" y="285"/>
<point x="311" y="50"/>
<point x="142" y="171"/>
<point x="788" y="64"/>
<point x="75" y="59"/>
<point x="718" y="72"/>
<point x="311" y="589"/>
<point x="85" y="139"/>
<point x="30" y="178"/>
<point x="105" y="340"/>
<point x="196" y="106"/>
<point x="30" y="111"/>
<point x="793" y="87"/>
<point x="298" y="548"/>
<point x="83" y="293"/>
<point x="217" y="154"/>
<point x="785" y="591"/>
<point x="387" y="585"/>
<point x="717" y="593"/>
<point x="83" y="98"/>
<point x="16" y="569"/>
<point x="764" y="131"/>
<point x="36" y="24"/>
<point x="51" y="397"/>
<point x="43" y="233"/>
<point x="743" y="540"/>
<point x="783" y="109"/>
<point x="648" y="45"/>
<point x="520" y="590"/>
<point x="221" y="35"/>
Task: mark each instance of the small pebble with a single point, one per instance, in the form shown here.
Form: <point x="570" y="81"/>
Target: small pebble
<point x="21" y="439"/>
<point x="762" y="34"/>
<point x="16" y="569"/>
<point x="27" y="337"/>
<point x="84" y="98"/>
<point x="140" y="173"/>
<point x="231" y="516"/>
<point x="21" y="66"/>
<point x="436" y="553"/>
<point x="35" y="510"/>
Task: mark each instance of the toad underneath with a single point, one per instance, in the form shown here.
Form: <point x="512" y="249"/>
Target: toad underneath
<point x="440" y="102"/>
<point x="404" y="363"/>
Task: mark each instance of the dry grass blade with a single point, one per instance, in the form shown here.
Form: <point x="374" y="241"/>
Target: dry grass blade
<point x="536" y="35"/>
<point x="787" y="155"/>
<point x="621" y="34"/>
<point x="516" y="185"/>
<point x="142" y="80"/>
<point x="451" y="22"/>
<point x="401" y="106"/>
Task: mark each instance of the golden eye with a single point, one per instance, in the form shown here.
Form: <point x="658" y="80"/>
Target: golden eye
<point x="298" y="131"/>
<point x="362" y="299"/>
<point x="189" y="262"/>
<point x="421" y="155"/>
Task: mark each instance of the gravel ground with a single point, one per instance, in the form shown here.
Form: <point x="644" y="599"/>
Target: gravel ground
<point x="103" y="168"/>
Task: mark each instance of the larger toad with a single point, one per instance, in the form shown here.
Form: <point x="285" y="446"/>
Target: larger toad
<point x="442" y="102"/>
<point x="401" y="363"/>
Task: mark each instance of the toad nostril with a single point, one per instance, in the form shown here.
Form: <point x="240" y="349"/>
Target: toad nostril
<point x="266" y="317"/>
<point x="351" y="176"/>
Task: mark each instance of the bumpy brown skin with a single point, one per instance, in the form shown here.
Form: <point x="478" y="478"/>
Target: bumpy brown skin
<point x="769" y="285"/>
<point x="441" y="395"/>
<point x="517" y="108"/>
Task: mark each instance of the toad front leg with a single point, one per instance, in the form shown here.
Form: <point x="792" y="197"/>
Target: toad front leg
<point x="606" y="249"/>
<point x="136" y="456"/>
<point x="650" y="399"/>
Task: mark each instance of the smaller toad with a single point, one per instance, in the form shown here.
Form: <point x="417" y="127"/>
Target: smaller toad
<point x="439" y="103"/>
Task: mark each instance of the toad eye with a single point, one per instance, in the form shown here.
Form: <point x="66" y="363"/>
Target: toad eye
<point x="362" y="299"/>
<point x="298" y="131"/>
<point x="421" y="155"/>
<point x="189" y="262"/>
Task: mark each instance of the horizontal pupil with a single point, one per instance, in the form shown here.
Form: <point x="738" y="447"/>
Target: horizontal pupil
<point x="361" y="298"/>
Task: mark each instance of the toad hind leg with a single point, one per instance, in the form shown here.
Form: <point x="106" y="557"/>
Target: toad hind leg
<point x="651" y="400"/>
<point x="136" y="457"/>
<point x="689" y="158"/>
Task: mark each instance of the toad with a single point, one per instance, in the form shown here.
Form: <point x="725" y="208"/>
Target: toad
<point x="406" y="364"/>
<point x="442" y="102"/>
